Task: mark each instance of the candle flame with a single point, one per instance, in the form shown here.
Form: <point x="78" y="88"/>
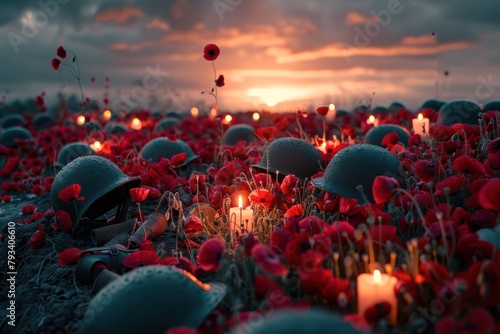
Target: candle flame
<point x="371" y="119"/>
<point x="240" y="202"/>
<point x="377" y="276"/>
<point x="136" y="124"/>
<point x="420" y="117"/>
<point x="96" y="146"/>
<point x="80" y="120"/>
<point x="228" y="118"/>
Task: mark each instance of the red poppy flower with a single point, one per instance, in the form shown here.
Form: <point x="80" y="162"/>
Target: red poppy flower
<point x="471" y="249"/>
<point x="425" y="170"/>
<point x="383" y="188"/>
<point x="279" y="240"/>
<point x="70" y="256"/>
<point x="340" y="232"/>
<point x="192" y="225"/>
<point x="210" y="254"/>
<point x="34" y="217"/>
<point x="211" y="52"/>
<point x="182" y="330"/>
<point x="312" y="280"/>
<point x="434" y="273"/>
<point x="139" y="194"/>
<point x="481" y="277"/>
<point x="467" y="165"/>
<point x="294" y="211"/>
<point x="390" y="139"/>
<point x="477" y="321"/>
<point x="263" y="197"/>
<point x="328" y="203"/>
<point x="452" y="183"/>
<point x="323" y="110"/>
<point x="311" y="225"/>
<point x="220" y="81"/>
<point x="337" y="291"/>
<point x="494" y="146"/>
<point x="281" y="125"/>
<point x="489" y="195"/>
<point x="56" y="64"/>
<point x="289" y="182"/>
<point x="263" y="286"/>
<point x="141" y="258"/>
<point x="6" y="198"/>
<point x="179" y="159"/>
<point x="61" y="52"/>
<point x="492" y="165"/>
<point x="268" y="260"/>
<point x="181" y="263"/>
<point x="70" y="193"/>
<point x="146" y="244"/>
<point x="12" y="164"/>
<point x="441" y="132"/>
<point x="377" y="312"/>
<point x="37" y="238"/>
<point x="63" y="219"/>
<point x="267" y="133"/>
<point x="28" y="209"/>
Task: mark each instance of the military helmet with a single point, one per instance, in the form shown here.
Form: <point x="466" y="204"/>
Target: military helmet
<point x="9" y="136"/>
<point x="454" y="112"/>
<point x="166" y="148"/>
<point x="13" y="120"/>
<point x="103" y="187"/>
<point x="166" y="124"/>
<point x="358" y="165"/>
<point x="151" y="299"/>
<point x="238" y="132"/>
<point x="72" y="151"/>
<point x="43" y="121"/>
<point x="376" y="134"/>
<point x="291" y="156"/>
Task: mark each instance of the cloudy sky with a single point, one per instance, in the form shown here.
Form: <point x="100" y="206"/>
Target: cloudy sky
<point x="283" y="53"/>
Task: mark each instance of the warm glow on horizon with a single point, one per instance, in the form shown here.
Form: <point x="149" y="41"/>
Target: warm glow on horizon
<point x="272" y="96"/>
<point x="80" y="120"/>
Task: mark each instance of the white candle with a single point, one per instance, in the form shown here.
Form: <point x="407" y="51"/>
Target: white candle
<point x="372" y="120"/>
<point x="240" y="219"/>
<point x="421" y="126"/>
<point x="375" y="288"/>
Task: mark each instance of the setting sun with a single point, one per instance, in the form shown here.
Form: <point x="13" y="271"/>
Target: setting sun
<point x="272" y="96"/>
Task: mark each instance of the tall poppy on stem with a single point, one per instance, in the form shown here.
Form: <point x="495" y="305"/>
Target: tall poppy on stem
<point x="323" y="111"/>
<point x="139" y="195"/>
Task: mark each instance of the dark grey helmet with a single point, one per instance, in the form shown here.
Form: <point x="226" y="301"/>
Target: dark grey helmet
<point x="166" y="123"/>
<point x="376" y="134"/>
<point x="432" y="104"/>
<point x="358" y="165"/>
<point x="13" y="120"/>
<point x="92" y="126"/>
<point x="492" y="106"/>
<point x="103" y="187"/>
<point x="72" y="151"/>
<point x="288" y="321"/>
<point x="115" y="128"/>
<point x="151" y="299"/>
<point x="9" y="136"/>
<point x="43" y="121"/>
<point x="466" y="112"/>
<point x="238" y="132"/>
<point x="166" y="148"/>
<point x="291" y="156"/>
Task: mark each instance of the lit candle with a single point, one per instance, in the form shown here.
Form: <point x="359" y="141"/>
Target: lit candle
<point x="372" y="120"/>
<point x="96" y="146"/>
<point x="241" y="220"/>
<point x="80" y="120"/>
<point x="106" y="114"/>
<point x="421" y="126"/>
<point x="255" y="116"/>
<point x="375" y="288"/>
<point x="194" y="112"/>
<point x="136" y="124"/>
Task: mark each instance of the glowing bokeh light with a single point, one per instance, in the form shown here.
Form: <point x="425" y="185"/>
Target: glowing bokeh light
<point x="256" y="116"/>
<point x="195" y="112"/>
<point x="106" y="114"/>
<point x="80" y="120"/>
<point x="136" y="124"/>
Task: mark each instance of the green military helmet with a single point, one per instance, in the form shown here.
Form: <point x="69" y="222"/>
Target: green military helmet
<point x="166" y="123"/>
<point x="166" y="148"/>
<point x="13" y="120"/>
<point x="288" y="321"/>
<point x="454" y="112"/>
<point x="103" y="187"/>
<point x="43" y="120"/>
<point x="151" y="299"/>
<point x="238" y="132"/>
<point x="72" y="151"/>
<point x="92" y="126"/>
<point x="376" y="134"/>
<point x="358" y="165"/>
<point x="9" y="136"/>
<point x="432" y="104"/>
<point x="115" y="128"/>
<point x="291" y="156"/>
<point x="491" y="106"/>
